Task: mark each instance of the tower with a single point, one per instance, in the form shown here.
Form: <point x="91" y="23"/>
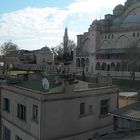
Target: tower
<point x="65" y="42"/>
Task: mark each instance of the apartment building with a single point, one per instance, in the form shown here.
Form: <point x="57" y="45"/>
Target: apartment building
<point x="70" y="110"/>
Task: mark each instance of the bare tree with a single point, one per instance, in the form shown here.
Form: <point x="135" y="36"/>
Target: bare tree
<point x="132" y="57"/>
<point x="59" y="49"/>
<point x="8" y="49"/>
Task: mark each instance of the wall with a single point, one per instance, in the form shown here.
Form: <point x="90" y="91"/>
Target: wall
<point x="28" y="128"/>
<point x="61" y="114"/>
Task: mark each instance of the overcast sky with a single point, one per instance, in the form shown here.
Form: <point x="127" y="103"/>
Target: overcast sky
<point x="32" y="24"/>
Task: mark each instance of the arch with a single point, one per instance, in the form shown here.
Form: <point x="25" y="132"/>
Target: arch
<point x="86" y="45"/>
<point x="87" y="39"/>
<point x="83" y="62"/>
<point x="98" y="66"/>
<point x="87" y="62"/>
<point x="118" y="67"/>
<point x="131" y="10"/>
<point x="112" y="66"/>
<point x="122" y="42"/>
<point x="104" y="66"/>
<point x="78" y="62"/>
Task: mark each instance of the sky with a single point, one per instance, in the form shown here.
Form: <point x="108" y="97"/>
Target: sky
<point x="33" y="24"/>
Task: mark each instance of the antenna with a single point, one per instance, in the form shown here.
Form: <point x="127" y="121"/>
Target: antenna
<point x="45" y="83"/>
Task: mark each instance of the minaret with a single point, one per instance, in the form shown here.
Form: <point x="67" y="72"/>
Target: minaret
<point x="65" y="41"/>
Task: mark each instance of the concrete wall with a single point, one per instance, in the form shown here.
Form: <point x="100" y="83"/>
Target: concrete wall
<point x="61" y="116"/>
<point x="28" y="129"/>
<point x="17" y="131"/>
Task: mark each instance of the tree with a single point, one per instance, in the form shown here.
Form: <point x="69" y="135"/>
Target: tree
<point x="132" y="57"/>
<point x="8" y="50"/>
<point x="59" y="49"/>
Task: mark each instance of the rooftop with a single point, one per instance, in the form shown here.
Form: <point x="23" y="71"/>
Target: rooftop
<point x="122" y="135"/>
<point x="131" y="112"/>
<point x="36" y="84"/>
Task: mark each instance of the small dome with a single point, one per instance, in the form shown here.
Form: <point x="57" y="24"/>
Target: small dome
<point x="132" y="19"/>
<point x="117" y="21"/>
<point x="119" y="7"/>
<point x="95" y="22"/>
<point x="118" y="10"/>
<point x="45" y="50"/>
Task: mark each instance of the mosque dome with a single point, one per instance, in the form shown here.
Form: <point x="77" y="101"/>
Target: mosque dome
<point x="95" y="22"/>
<point x="119" y="7"/>
<point x="132" y="19"/>
<point x="45" y="50"/>
<point x="118" y="10"/>
<point x="117" y="21"/>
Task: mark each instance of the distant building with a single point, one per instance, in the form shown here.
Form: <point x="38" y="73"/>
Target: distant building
<point x="102" y="48"/>
<point x="27" y="57"/>
<point x="68" y="110"/>
<point x="45" y="56"/>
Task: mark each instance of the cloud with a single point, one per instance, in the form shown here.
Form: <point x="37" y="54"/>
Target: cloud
<point x="35" y="27"/>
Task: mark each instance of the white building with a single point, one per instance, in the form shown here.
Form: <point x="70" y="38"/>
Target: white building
<point x="71" y="111"/>
<point x="101" y="49"/>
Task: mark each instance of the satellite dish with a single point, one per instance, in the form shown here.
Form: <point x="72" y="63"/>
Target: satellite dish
<point x="45" y="83"/>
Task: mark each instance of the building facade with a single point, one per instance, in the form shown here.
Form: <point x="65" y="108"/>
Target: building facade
<point x="44" y="56"/>
<point x="103" y="47"/>
<point x="66" y="112"/>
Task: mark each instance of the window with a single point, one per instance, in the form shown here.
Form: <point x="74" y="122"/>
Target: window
<point x="6" y="104"/>
<point x="43" y="60"/>
<point x="6" y="133"/>
<point x="90" y="108"/>
<point x="35" y="112"/>
<point x="137" y="34"/>
<point x="112" y="36"/>
<point x="21" y="111"/>
<point x="134" y="34"/>
<point x="17" y="138"/>
<point x="82" y="108"/>
<point x="104" y="107"/>
<point x="108" y="36"/>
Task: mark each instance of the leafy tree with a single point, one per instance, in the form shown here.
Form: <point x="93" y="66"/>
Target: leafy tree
<point x="8" y="49"/>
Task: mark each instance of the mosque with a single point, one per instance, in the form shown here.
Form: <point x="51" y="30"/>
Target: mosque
<point x="103" y="47"/>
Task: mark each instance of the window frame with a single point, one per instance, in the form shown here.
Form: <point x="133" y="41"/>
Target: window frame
<point x="104" y="107"/>
<point x="21" y="112"/>
<point x="82" y="108"/>
<point x="6" y="104"/>
<point x="35" y="112"/>
<point x="6" y="133"/>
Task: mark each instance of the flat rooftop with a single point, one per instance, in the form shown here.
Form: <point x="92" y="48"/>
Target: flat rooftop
<point x="36" y="84"/>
